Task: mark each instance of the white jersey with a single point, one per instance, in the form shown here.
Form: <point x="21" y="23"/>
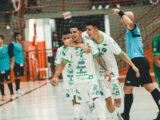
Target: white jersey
<point x="83" y="65"/>
<point x="68" y="70"/>
<point x="108" y="48"/>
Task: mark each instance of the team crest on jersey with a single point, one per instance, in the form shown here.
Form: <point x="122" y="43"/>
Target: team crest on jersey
<point x="104" y="50"/>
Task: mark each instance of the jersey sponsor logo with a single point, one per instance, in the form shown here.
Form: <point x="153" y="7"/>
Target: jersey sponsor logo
<point x="104" y="44"/>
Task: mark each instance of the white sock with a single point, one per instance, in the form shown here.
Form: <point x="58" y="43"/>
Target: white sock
<point x="118" y="109"/>
<point x="76" y="111"/>
<point x="114" y="115"/>
<point x="100" y="109"/>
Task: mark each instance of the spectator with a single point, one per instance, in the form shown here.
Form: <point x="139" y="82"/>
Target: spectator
<point x="16" y="4"/>
<point x="55" y="41"/>
<point x="28" y="3"/>
<point x="103" y="5"/>
<point x="6" y="5"/>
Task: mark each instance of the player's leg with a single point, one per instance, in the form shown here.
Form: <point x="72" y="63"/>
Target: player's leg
<point x="10" y="86"/>
<point x="130" y="82"/>
<point x="116" y="93"/>
<point x="2" y="86"/>
<point x="18" y="71"/>
<point x="147" y="83"/>
<point x="106" y="94"/>
<point x="94" y="93"/>
<point x="157" y="73"/>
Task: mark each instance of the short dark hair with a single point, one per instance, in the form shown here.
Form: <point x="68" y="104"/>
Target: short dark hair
<point x="2" y="37"/>
<point x="65" y="32"/>
<point x="76" y="25"/>
<point x="15" y="35"/>
<point x="94" y="23"/>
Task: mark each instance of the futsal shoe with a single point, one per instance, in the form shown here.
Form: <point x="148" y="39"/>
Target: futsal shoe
<point x="19" y="92"/>
<point x="123" y="117"/>
<point x="12" y="97"/>
<point x="3" y="99"/>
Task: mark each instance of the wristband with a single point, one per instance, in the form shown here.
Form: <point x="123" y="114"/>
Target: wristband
<point x="121" y="13"/>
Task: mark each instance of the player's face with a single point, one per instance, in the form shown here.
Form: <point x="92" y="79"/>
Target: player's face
<point x="91" y="31"/>
<point x="19" y="37"/>
<point x="1" y="40"/>
<point x="66" y="37"/>
<point x="75" y="34"/>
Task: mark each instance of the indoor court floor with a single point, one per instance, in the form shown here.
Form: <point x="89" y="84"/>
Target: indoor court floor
<point x="44" y="102"/>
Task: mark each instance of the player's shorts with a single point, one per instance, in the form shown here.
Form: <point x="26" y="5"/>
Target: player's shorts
<point x="145" y="78"/>
<point x="5" y="75"/>
<point x="69" y="93"/>
<point x="19" y="70"/>
<point x="104" y="89"/>
<point x="115" y="88"/>
<point x="87" y="91"/>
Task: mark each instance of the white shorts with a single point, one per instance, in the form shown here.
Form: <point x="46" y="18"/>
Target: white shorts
<point x="87" y="91"/>
<point x="104" y="89"/>
<point x="69" y="93"/>
<point x="115" y="89"/>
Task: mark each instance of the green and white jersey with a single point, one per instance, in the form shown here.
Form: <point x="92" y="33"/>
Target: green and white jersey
<point x="68" y="70"/>
<point x="108" y="48"/>
<point x="83" y="65"/>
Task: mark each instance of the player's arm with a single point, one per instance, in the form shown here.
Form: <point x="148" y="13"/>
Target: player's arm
<point x="128" y="61"/>
<point x="71" y="43"/>
<point x="59" y="69"/>
<point x="127" y="21"/>
<point x="102" y="64"/>
<point x="11" y="55"/>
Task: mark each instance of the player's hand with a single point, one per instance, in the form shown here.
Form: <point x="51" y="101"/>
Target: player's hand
<point x="116" y="11"/>
<point x="12" y="66"/>
<point x="136" y="70"/>
<point x="107" y="74"/>
<point x="54" y="81"/>
<point x="86" y="48"/>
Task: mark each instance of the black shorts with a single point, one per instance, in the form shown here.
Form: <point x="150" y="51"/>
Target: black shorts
<point x="18" y="70"/>
<point x="143" y="65"/>
<point x="5" y="75"/>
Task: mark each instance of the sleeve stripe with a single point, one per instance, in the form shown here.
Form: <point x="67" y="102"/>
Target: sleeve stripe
<point x="56" y="64"/>
<point x="156" y="53"/>
<point x="65" y="60"/>
<point x="121" y="53"/>
<point x="97" y="54"/>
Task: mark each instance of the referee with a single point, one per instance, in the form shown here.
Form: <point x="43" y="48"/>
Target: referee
<point x="5" y="69"/>
<point x="134" y="48"/>
<point x="17" y="61"/>
<point x="156" y="55"/>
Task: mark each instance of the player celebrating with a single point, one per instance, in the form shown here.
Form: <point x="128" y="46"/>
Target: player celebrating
<point x="84" y="70"/>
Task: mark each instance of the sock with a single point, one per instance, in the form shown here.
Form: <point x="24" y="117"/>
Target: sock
<point x="114" y="115"/>
<point x="156" y="96"/>
<point x="10" y="87"/>
<point x="2" y="89"/>
<point x="17" y="81"/>
<point x="128" y="100"/>
<point x="118" y="109"/>
<point x="76" y="111"/>
<point x="100" y="109"/>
